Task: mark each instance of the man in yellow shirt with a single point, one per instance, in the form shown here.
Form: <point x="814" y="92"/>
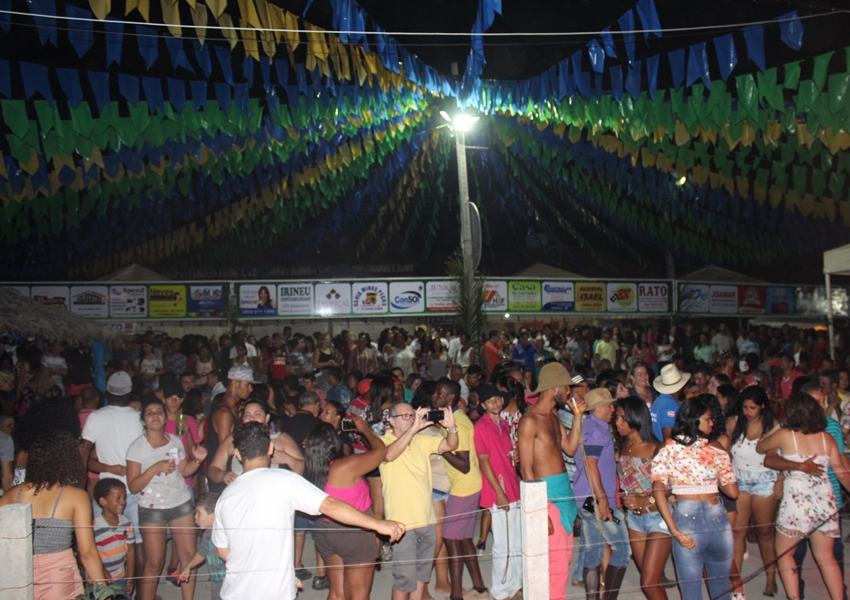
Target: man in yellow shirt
<point x="606" y="349"/>
<point x="406" y="478"/>
<point x="464" y="494"/>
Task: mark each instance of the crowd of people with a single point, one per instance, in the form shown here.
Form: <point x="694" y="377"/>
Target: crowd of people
<point x="407" y="453"/>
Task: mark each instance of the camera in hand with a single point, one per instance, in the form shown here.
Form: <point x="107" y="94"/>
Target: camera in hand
<point x="348" y="425"/>
<point x="588" y="506"/>
<point x="434" y="416"/>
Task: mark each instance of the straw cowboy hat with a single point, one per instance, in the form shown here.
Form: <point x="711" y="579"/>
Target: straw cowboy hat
<point x="598" y="397"/>
<point x="671" y="380"/>
<point x="555" y="375"/>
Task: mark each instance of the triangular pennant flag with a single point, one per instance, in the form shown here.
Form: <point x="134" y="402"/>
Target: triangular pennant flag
<point x="177" y="94"/>
<point x="754" y="38"/>
<point x="99" y="83"/>
<point x="202" y="57"/>
<point x="199" y="94"/>
<point x="200" y="18"/>
<point x="652" y="74"/>
<point x="178" y="54"/>
<point x="69" y="79"/>
<point x="648" y="18"/>
<point x="608" y="42"/>
<point x="727" y="57"/>
<point x="5" y="17"/>
<point x="147" y="39"/>
<point x="153" y="94"/>
<point x="80" y="33"/>
<point x="101" y="8"/>
<point x="698" y="65"/>
<point x="128" y="86"/>
<point x="791" y="30"/>
<point x="114" y="42"/>
<point x="627" y="26"/>
<point x="36" y="81"/>
<point x="633" y="80"/>
<point x="46" y="25"/>
<point x="223" y="56"/>
<point x="677" y="67"/>
<point x="597" y="56"/>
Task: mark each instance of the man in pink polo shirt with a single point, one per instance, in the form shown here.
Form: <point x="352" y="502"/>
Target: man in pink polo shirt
<point x="789" y="374"/>
<point x="500" y="492"/>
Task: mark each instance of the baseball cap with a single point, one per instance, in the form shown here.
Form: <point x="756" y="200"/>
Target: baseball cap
<point x="364" y="386"/>
<point x="172" y="388"/>
<point x="119" y="384"/>
<point x="241" y="373"/>
<point x="487" y="391"/>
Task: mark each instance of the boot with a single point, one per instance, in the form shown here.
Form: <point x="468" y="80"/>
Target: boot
<point x="591" y="582"/>
<point x="613" y="580"/>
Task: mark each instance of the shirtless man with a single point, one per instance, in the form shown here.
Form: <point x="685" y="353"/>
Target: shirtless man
<point x="225" y="412"/>
<point x="542" y="438"/>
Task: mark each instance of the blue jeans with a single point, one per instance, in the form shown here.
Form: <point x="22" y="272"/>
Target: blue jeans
<point x="709" y="526"/>
<point x="613" y="534"/>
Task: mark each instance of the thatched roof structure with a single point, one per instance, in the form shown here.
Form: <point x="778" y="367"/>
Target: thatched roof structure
<point x="24" y="316"/>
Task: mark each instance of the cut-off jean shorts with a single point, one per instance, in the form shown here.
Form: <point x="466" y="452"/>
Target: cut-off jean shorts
<point x="647" y="523"/>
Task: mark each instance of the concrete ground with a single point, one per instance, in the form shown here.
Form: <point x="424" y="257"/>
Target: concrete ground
<point x="382" y="586"/>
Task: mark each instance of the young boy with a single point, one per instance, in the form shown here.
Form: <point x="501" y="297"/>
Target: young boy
<point x="204" y="519"/>
<point x="114" y="535"/>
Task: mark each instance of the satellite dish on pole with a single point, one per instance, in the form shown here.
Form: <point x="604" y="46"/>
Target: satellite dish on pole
<point x="475" y="226"/>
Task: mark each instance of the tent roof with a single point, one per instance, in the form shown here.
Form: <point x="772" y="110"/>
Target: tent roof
<point x="134" y="272"/>
<point x="27" y="317"/>
<point x="541" y="270"/>
<point x="720" y="275"/>
<point x="837" y="261"/>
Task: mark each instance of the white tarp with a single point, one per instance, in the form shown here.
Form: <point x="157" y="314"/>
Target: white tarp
<point x="837" y="261"/>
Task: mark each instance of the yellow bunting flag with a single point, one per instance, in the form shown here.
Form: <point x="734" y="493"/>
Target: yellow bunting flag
<point x="249" y="40"/>
<point x="100" y="8"/>
<point x="171" y="17"/>
<point x="217" y="7"/>
<point x="249" y="14"/>
<point x="200" y="18"/>
<point x="227" y="30"/>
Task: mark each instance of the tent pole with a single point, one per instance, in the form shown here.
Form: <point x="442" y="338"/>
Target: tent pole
<point x="829" y="315"/>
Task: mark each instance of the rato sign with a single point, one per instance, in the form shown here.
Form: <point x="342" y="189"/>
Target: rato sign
<point x="653" y="297"/>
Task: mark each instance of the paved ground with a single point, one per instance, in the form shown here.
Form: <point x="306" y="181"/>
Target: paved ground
<point x="382" y="587"/>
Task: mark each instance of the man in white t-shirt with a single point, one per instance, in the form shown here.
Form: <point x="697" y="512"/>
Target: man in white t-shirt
<point x="56" y="364"/>
<point x="723" y="340"/>
<point x="254" y="520"/>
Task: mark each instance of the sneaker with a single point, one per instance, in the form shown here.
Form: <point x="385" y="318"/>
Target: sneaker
<point x="321" y="583"/>
<point x="482" y="547"/>
<point x="303" y="574"/>
<point x="172" y="577"/>
<point x="386" y="553"/>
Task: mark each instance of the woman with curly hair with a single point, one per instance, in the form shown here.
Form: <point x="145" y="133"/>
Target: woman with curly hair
<point x="61" y="511"/>
<point x="42" y="418"/>
<point x="808" y="507"/>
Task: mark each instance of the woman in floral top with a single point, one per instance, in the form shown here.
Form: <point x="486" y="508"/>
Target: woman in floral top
<point x="693" y="470"/>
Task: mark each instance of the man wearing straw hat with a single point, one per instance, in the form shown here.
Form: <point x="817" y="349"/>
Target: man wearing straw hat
<point x="664" y="408"/>
<point x="542" y="438"/>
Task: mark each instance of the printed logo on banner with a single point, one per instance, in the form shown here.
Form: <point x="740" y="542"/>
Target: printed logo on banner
<point x="51" y="295"/>
<point x="723" y="299"/>
<point x="439" y="296"/>
<point x="693" y="298"/>
<point x="333" y="299"/>
<point x="90" y="301"/>
<point x="205" y="301"/>
<point x="653" y="297"/>
<point x="524" y="296"/>
<point x="295" y="299"/>
<point x="559" y="295"/>
<point x="590" y="296"/>
<point x="257" y="300"/>
<point x="128" y="301"/>
<point x="622" y="297"/>
<point x="780" y="300"/>
<point x="752" y="299"/>
<point x="167" y="301"/>
<point x="495" y="296"/>
<point x="369" y="298"/>
<point x="406" y="297"/>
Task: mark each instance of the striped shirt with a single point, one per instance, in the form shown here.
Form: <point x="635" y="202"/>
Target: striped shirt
<point x="112" y="543"/>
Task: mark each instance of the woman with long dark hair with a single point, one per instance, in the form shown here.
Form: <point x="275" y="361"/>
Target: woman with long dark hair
<point x="694" y="470"/>
<point x="756" y="499"/>
<point x="349" y="552"/>
<point x="649" y="535"/>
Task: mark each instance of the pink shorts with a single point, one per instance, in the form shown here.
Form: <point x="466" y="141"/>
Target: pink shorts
<point x="459" y="523"/>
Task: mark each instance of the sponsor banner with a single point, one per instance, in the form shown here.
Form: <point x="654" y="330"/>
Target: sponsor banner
<point x="723" y="299"/>
<point x="752" y="299"/>
<point x="590" y="296"/>
<point x="51" y="295"/>
<point x="257" y="300"/>
<point x="559" y="295"/>
<point x="524" y="296"/>
<point x="166" y="301"/>
<point x="622" y="297"/>
<point x="369" y="298"/>
<point x="693" y="297"/>
<point x="128" y="328"/>
<point x="495" y="296"/>
<point x="90" y="301"/>
<point x="780" y="300"/>
<point x="23" y="290"/>
<point x="333" y="299"/>
<point x="206" y="300"/>
<point x="295" y="299"/>
<point x="439" y="296"/>
<point x="653" y="297"/>
<point x="407" y="297"/>
<point x="128" y="301"/>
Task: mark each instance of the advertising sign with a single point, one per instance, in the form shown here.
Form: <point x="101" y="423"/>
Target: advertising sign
<point x="407" y="297"/>
<point x="51" y="295"/>
<point x="257" y="300"/>
<point x="333" y="299"/>
<point x="439" y="296"/>
<point x="369" y="298"/>
<point x="752" y="299"/>
<point x="495" y="296"/>
<point x="295" y="299"/>
<point x="723" y="299"/>
<point x="780" y="300"/>
<point x="693" y="298"/>
<point x="167" y="301"/>
<point x="622" y="297"/>
<point x="653" y="297"/>
<point x="559" y="295"/>
<point x="128" y="301"/>
<point x="90" y="301"/>
<point x="590" y="296"/>
<point x="206" y="300"/>
<point x="524" y="296"/>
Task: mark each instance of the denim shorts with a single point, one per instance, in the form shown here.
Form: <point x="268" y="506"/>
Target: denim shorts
<point x="756" y="482"/>
<point x="153" y="516"/>
<point x="437" y="495"/>
<point x="647" y="523"/>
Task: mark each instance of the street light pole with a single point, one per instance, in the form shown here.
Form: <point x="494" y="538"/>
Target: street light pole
<point x="465" y="224"/>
